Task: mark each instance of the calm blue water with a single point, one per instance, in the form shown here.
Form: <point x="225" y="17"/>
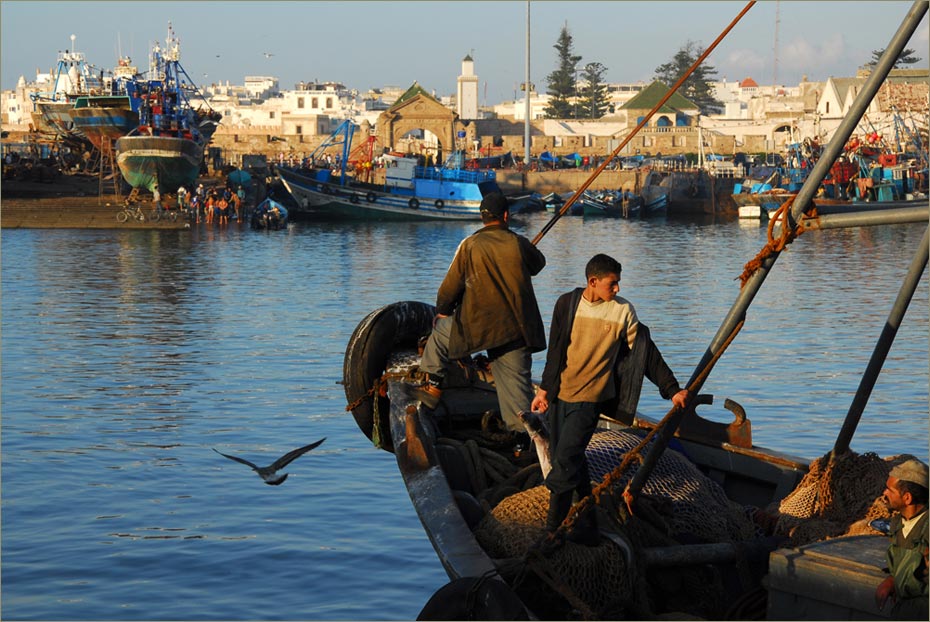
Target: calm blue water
<point x="127" y="356"/>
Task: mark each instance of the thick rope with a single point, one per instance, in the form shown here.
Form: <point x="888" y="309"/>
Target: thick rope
<point x="773" y="245"/>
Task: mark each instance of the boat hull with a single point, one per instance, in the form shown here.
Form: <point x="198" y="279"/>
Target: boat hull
<point x="164" y="162"/>
<point x="104" y="123"/>
<point x="355" y="201"/>
<point x="54" y="118"/>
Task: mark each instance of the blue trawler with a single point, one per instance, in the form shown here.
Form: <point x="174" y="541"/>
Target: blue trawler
<point x="410" y="191"/>
<point x="166" y="150"/>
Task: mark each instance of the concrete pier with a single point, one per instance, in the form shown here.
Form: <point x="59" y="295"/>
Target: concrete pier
<point x="75" y="213"/>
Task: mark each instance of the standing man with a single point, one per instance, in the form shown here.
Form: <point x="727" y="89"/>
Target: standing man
<point x="487" y="302"/>
<point x="906" y="587"/>
<point x="598" y="354"/>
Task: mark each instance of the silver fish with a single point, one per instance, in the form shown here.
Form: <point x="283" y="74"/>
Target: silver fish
<point x="536" y="427"/>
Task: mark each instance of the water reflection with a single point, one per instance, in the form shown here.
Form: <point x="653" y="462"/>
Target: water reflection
<point x="127" y="356"/>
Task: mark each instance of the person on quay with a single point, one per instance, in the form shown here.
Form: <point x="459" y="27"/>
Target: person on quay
<point x="240" y="203"/>
<point x="182" y="198"/>
<point x="598" y="354"/>
<point x="906" y="584"/>
<point x="486" y="302"/>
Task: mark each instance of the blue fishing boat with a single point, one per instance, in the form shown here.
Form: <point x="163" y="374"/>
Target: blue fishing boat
<point x="166" y="150"/>
<point x="111" y="113"/>
<point x="410" y="191"/>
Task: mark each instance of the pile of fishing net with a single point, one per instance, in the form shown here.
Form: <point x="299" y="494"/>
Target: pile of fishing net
<point x="837" y="497"/>
<point x="684" y="506"/>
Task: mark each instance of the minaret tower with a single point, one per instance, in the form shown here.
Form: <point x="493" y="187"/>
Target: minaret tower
<point x="466" y="101"/>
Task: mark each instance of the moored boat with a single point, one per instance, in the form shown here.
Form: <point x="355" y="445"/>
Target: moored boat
<point x="269" y="215"/>
<point x="696" y="521"/>
<point x="410" y="191"/>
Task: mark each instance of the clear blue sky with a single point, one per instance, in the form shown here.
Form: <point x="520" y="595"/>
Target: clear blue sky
<point x="373" y="44"/>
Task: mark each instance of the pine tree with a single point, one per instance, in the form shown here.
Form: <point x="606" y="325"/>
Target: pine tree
<point x="904" y="58"/>
<point x="594" y="100"/>
<point x="562" y="81"/>
<point x="697" y="87"/>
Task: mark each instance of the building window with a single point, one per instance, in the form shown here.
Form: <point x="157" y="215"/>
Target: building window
<point x="828" y="108"/>
<point x="300" y="129"/>
<point x="300" y="102"/>
<point x="315" y="103"/>
<point x="271" y="114"/>
<point x="329" y="102"/>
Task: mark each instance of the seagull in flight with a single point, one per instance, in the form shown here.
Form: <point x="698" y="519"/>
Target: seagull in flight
<point x="270" y="473"/>
<point x="268" y="54"/>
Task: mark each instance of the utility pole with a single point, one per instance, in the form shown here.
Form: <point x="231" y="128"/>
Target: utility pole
<point x="775" y="47"/>
<point x="526" y="92"/>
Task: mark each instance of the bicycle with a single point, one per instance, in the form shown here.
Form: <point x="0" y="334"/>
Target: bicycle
<point x="158" y="213"/>
<point x="130" y="211"/>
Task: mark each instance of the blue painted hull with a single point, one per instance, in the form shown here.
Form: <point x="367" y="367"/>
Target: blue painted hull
<point x="438" y="198"/>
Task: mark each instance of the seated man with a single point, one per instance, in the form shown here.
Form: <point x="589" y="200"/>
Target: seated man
<point x="906" y="587"/>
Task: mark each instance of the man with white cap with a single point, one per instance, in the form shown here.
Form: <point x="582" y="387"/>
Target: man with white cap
<point x="906" y="495"/>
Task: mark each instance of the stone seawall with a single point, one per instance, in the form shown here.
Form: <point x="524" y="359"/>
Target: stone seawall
<point x="567" y="180"/>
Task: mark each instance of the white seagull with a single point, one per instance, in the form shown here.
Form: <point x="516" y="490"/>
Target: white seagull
<point x="268" y="54"/>
<point x="270" y="473"/>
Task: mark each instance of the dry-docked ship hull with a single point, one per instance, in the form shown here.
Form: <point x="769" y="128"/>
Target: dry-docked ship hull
<point x="159" y="161"/>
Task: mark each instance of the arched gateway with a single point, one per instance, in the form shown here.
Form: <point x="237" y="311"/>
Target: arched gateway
<point x="418" y="110"/>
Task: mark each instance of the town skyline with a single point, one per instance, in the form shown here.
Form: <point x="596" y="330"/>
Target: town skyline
<point x="389" y="44"/>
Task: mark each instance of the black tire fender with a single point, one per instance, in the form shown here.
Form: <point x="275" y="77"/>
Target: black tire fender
<point x="396" y="326"/>
<point x="414" y="203"/>
<point x="370" y="197"/>
<point x="440" y="204"/>
<point x="354" y="198"/>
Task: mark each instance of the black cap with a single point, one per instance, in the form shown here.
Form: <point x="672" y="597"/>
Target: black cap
<point x="494" y="204"/>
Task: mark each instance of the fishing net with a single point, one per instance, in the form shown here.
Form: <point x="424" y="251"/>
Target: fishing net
<point x="837" y="497"/>
<point x="599" y="576"/>
<point x="694" y="507"/>
<point x="684" y="506"/>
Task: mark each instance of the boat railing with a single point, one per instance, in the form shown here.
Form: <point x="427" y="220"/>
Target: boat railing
<point x="454" y="174"/>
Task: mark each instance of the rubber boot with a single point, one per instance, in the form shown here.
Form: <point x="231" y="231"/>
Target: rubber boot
<point x="559" y="505"/>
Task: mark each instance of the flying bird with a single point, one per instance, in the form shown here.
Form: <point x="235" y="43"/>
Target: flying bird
<point x="270" y="473"/>
<point x="268" y="54"/>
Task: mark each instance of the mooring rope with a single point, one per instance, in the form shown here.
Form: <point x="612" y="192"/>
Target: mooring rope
<point x="777" y="245"/>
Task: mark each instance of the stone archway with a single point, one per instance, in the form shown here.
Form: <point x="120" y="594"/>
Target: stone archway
<point x="417" y="110"/>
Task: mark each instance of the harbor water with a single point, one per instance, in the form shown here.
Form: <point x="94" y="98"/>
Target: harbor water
<point x="127" y="356"/>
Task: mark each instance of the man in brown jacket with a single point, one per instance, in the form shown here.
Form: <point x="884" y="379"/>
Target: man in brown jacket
<point x="487" y="302"/>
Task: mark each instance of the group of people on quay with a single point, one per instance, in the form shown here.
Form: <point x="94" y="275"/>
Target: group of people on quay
<point x="214" y="205"/>
<point x="598" y="355"/>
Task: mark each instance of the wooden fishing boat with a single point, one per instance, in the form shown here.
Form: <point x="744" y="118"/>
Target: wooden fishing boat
<point x="696" y="521"/>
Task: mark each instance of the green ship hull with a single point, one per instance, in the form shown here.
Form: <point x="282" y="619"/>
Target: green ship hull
<point x="164" y="162"/>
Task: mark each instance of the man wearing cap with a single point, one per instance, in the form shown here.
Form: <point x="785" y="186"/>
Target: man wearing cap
<point x="486" y="302"/>
<point x="906" y="495"/>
